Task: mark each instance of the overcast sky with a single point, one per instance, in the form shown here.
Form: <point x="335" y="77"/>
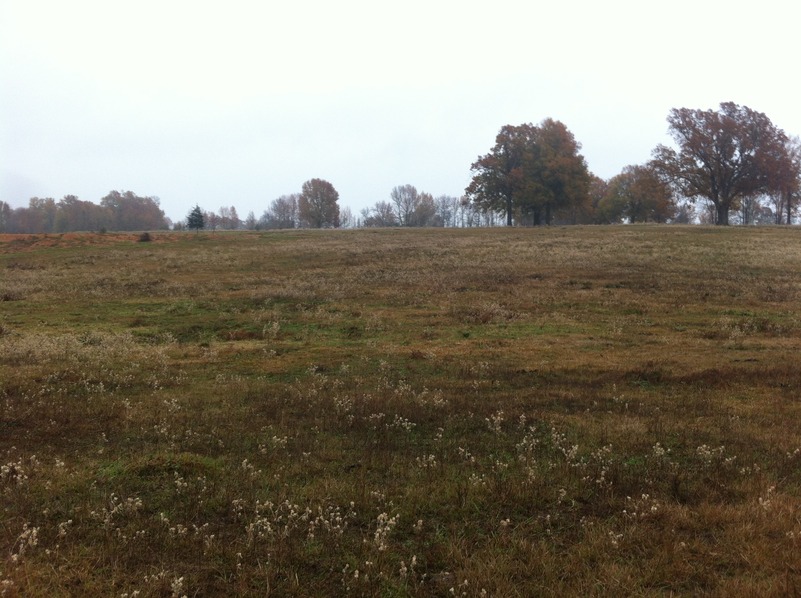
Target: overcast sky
<point x="239" y="102"/>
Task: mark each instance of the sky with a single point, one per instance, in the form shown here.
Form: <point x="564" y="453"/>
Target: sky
<point x="237" y="102"/>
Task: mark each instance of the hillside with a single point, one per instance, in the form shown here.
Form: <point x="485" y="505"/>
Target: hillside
<point x="548" y="411"/>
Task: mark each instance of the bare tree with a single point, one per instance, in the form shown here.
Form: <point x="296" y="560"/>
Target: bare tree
<point x="405" y="199"/>
<point x="228" y="218"/>
<point x="381" y="214"/>
<point x="212" y="220"/>
<point x="283" y="213"/>
<point x="425" y="212"/>
<point x="446" y="208"/>
<point x="346" y="218"/>
<point x="787" y="195"/>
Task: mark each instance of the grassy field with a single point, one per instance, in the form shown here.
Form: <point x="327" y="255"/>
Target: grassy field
<point x="581" y="411"/>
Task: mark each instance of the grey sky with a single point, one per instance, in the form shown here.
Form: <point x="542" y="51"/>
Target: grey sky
<point x="238" y="102"/>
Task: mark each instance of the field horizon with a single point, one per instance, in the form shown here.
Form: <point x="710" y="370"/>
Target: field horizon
<point x="560" y="411"/>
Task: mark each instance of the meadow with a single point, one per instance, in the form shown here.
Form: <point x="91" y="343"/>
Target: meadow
<point x="580" y="411"/>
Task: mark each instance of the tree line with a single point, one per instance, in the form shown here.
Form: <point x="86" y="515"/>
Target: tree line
<point x="316" y="207"/>
<point x="728" y="165"/>
<point x="119" y="211"/>
<point x="728" y="162"/>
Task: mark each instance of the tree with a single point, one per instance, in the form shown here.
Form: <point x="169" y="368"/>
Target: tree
<point x="317" y="204"/>
<point x="497" y="184"/>
<point x="750" y="209"/>
<point x="447" y="207"/>
<point x="41" y="215"/>
<point x="787" y="194"/>
<point x="235" y="222"/>
<point x="195" y="220"/>
<point x="685" y="213"/>
<point x="5" y="217"/>
<point x="346" y="218"/>
<point x="405" y="199"/>
<point x="228" y="218"/>
<point x="410" y="207"/>
<point x="75" y="214"/>
<point x="118" y="211"/>
<point x="212" y="220"/>
<point x="425" y="212"/>
<point x="128" y="211"/>
<point x="283" y="212"/>
<point x="637" y="194"/>
<point x="380" y="215"/>
<point x="723" y="156"/>
<point x="530" y="173"/>
<point x="597" y="192"/>
<point x="612" y="206"/>
<point x="564" y="179"/>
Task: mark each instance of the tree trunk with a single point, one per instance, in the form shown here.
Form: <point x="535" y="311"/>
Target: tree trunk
<point x="788" y="202"/>
<point x="722" y="214"/>
<point x="509" y="212"/>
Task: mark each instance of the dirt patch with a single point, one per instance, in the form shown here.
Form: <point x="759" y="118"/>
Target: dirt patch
<point x="28" y="242"/>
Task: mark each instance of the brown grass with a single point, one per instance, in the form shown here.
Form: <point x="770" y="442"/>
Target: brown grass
<point x="567" y="411"/>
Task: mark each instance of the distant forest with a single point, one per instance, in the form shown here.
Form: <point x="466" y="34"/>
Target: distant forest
<point x="117" y="211"/>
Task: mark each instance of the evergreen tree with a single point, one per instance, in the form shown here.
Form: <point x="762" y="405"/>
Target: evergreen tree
<point x="195" y="219"/>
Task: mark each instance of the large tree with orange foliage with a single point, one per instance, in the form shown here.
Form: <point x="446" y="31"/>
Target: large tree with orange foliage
<point x="638" y="195"/>
<point x="724" y="155"/>
<point x="531" y="172"/>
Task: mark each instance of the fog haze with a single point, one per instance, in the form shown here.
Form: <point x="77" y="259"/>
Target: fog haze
<point x="237" y="103"/>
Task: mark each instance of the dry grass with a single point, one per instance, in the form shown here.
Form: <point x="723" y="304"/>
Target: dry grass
<point x="567" y="411"/>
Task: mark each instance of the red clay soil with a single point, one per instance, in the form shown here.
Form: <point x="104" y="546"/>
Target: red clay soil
<point x="30" y="242"/>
